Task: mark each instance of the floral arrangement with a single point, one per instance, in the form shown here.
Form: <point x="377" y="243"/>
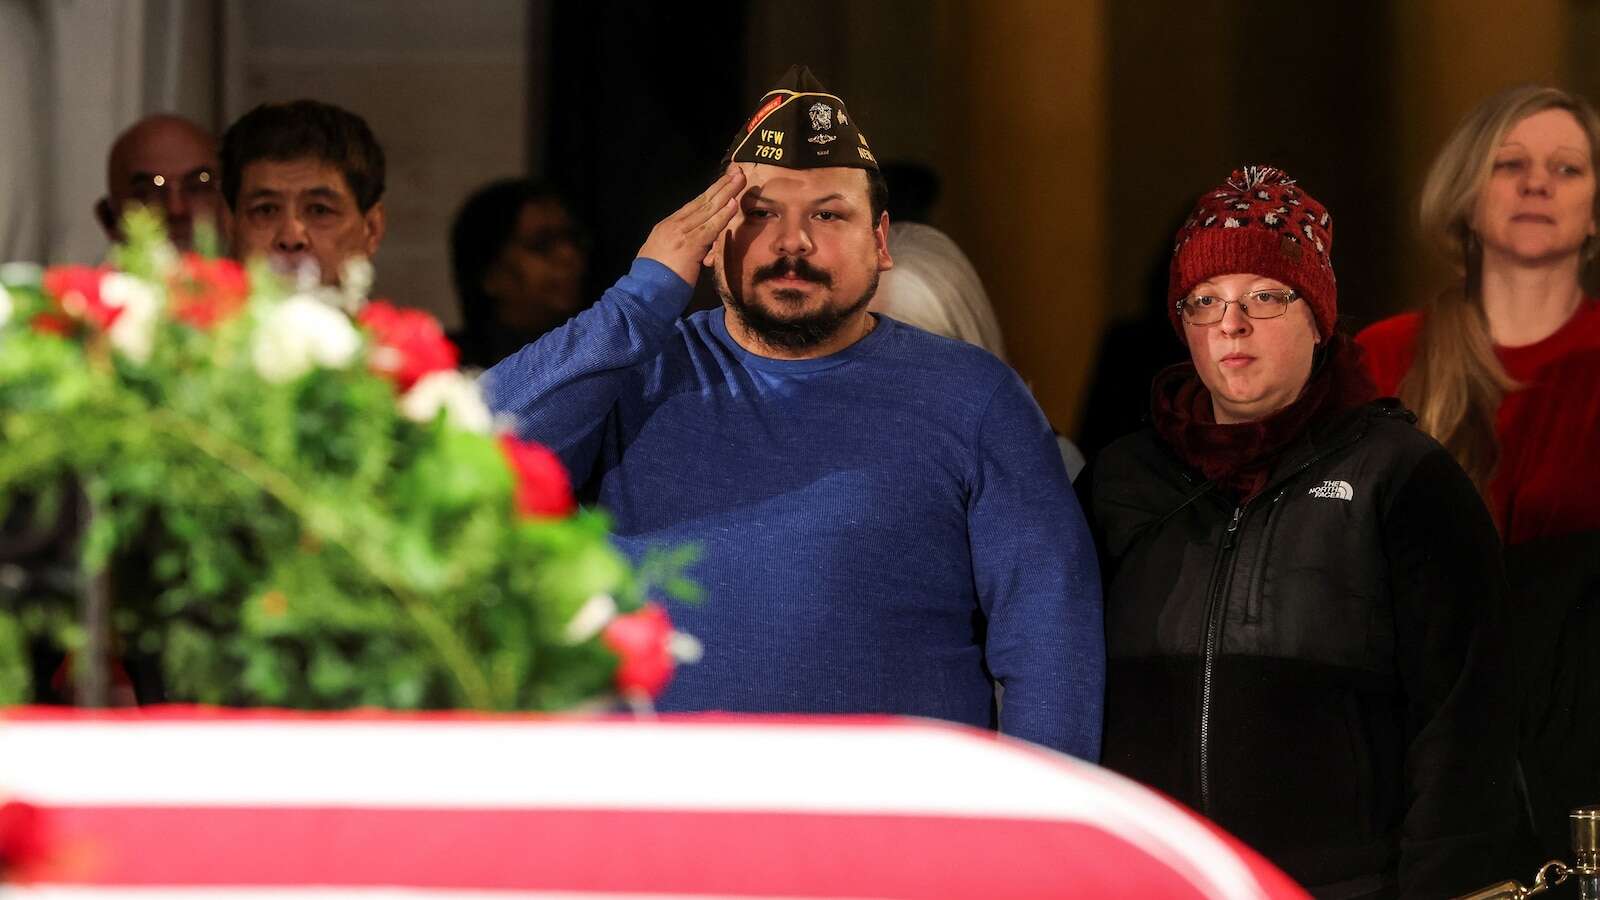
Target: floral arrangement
<point x="300" y="501"/>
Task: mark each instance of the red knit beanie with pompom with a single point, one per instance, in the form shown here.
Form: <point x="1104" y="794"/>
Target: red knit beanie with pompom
<point x="1258" y="222"/>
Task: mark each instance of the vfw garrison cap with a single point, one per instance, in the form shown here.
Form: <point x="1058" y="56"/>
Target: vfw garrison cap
<point x="799" y="125"/>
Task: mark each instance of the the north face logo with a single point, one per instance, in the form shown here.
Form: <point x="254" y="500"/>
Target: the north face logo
<point x="1333" y="490"/>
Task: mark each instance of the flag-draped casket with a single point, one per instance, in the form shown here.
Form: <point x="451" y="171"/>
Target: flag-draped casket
<point x="192" y="802"/>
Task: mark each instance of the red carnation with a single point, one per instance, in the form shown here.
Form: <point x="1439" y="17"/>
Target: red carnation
<point x="410" y="343"/>
<point x="206" y="291"/>
<point x="643" y="643"/>
<point x="52" y="323"/>
<point x="542" y="486"/>
<point x="76" y="290"/>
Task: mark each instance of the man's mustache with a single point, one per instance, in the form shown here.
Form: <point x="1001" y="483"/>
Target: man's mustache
<point x="793" y="267"/>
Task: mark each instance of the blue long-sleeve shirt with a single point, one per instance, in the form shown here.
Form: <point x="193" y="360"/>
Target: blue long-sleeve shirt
<point x="882" y="529"/>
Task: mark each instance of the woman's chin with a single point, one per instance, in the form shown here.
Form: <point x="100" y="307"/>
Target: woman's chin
<point x="1540" y="252"/>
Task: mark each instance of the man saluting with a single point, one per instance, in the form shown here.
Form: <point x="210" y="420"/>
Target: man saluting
<point x="884" y="519"/>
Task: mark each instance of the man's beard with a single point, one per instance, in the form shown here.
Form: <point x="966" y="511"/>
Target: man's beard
<point x="799" y="332"/>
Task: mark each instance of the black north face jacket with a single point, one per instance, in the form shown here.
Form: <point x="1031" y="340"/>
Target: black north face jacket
<point x="1320" y="670"/>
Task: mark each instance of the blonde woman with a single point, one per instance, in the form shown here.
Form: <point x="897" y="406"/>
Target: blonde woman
<point x="1503" y="367"/>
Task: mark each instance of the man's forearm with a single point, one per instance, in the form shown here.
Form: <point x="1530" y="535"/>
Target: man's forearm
<point x="559" y="389"/>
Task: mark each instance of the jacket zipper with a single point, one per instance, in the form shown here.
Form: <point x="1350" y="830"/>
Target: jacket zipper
<point x="1220" y="580"/>
<point x="1209" y="657"/>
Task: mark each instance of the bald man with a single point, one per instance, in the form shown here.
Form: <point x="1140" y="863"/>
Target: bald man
<point x="166" y="163"/>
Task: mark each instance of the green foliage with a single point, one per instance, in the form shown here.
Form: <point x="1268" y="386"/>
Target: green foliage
<point x="16" y="676"/>
<point x="298" y="542"/>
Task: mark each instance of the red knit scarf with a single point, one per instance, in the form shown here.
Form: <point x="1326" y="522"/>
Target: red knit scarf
<point x="1240" y="456"/>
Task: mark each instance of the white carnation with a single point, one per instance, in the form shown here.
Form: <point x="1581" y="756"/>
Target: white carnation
<point x="685" y="648"/>
<point x="305" y="273"/>
<point x="330" y="297"/>
<point x="457" y="395"/>
<point x="591" y="618"/>
<point x="164" y="259"/>
<point x="133" y="334"/>
<point x="355" y="282"/>
<point x="300" y="334"/>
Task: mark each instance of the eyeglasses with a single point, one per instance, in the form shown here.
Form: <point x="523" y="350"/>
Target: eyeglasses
<point x="1200" y="309"/>
<point x="152" y="190"/>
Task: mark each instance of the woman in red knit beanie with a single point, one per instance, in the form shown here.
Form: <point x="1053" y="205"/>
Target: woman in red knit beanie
<point x="1503" y="367"/>
<point x="1301" y="589"/>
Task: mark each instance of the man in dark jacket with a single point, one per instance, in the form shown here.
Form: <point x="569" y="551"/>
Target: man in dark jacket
<point x="1303" y="591"/>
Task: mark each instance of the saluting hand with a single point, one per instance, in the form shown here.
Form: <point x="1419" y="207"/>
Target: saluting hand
<point x="680" y="241"/>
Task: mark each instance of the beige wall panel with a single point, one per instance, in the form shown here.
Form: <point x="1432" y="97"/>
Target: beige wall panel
<point x="1450" y="54"/>
<point x="1026" y="186"/>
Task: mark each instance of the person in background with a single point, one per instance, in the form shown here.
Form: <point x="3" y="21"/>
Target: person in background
<point x="168" y="164"/>
<point x="518" y="260"/>
<point x="1503" y="368"/>
<point x="303" y="182"/>
<point x="933" y="286"/>
<point x="884" y="522"/>
<point x="1304" y="594"/>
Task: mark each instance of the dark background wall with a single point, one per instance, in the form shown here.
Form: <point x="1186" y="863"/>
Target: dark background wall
<point x="643" y="98"/>
<point x="1194" y="95"/>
